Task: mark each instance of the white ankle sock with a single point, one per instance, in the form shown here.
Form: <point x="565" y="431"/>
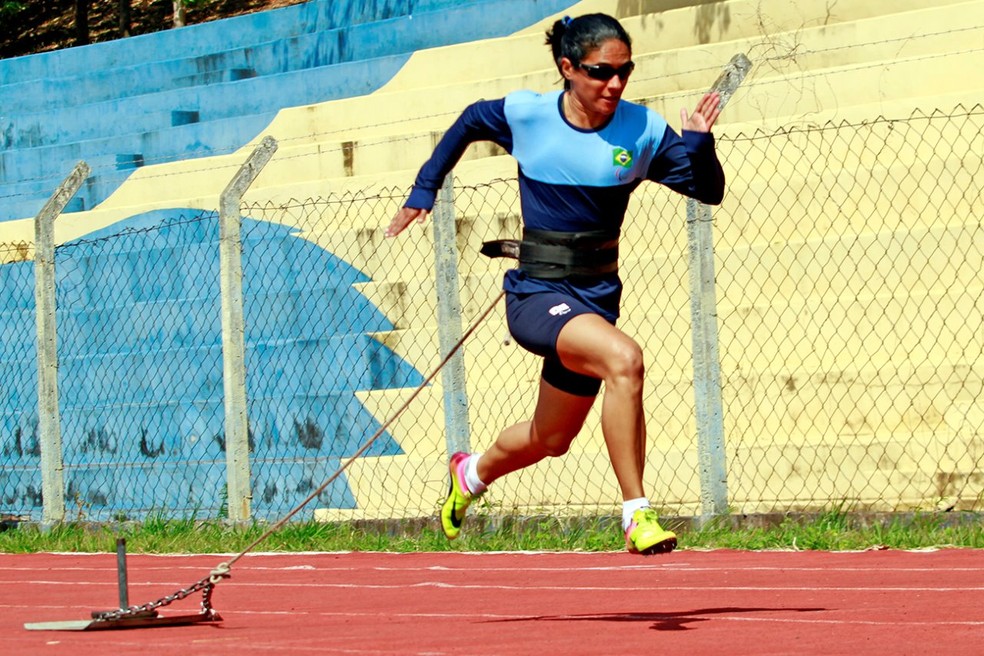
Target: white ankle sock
<point x="474" y="483"/>
<point x="629" y="506"/>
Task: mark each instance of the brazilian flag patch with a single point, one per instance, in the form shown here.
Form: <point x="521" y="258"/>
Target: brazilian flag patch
<point x="622" y="157"/>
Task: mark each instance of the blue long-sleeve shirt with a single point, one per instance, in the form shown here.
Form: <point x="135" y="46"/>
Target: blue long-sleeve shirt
<point x="575" y="179"/>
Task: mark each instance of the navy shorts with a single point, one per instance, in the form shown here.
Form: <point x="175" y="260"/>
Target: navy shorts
<point x="535" y="321"/>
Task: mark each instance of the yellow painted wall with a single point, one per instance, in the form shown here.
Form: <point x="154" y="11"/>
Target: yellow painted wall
<point x="815" y="64"/>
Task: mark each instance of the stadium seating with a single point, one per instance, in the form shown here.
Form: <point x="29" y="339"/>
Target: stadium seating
<point x="200" y="90"/>
<point x="356" y="95"/>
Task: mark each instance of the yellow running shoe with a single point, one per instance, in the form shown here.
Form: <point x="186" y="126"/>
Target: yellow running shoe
<point x="459" y="497"/>
<point x="645" y="536"/>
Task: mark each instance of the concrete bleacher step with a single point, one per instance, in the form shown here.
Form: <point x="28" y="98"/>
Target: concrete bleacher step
<point x="192" y="41"/>
<point x="201" y="39"/>
<point x="752" y="331"/>
<point x="371" y="154"/>
<point x="886" y="259"/>
<point x="842" y="332"/>
<point x="339" y="159"/>
<point x="31" y="131"/>
<point x="279" y="183"/>
<point x="272" y="55"/>
<point x="654" y="28"/>
<point x="107" y="155"/>
<point x="368" y="158"/>
<point x="348" y="233"/>
<point x="154" y="111"/>
<point x="511" y="58"/>
<point x="746" y="224"/>
<point x="421" y="143"/>
<point x="777" y="101"/>
<point x="906" y="400"/>
<point x="420" y="479"/>
<point x="43" y="94"/>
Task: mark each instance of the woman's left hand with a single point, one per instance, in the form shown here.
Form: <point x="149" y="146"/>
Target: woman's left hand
<point x="705" y="114"/>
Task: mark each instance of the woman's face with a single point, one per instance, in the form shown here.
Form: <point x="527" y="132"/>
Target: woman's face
<point x="597" y="95"/>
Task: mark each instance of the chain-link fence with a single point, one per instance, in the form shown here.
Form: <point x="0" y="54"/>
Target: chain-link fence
<point x="140" y="368"/>
<point x="850" y="297"/>
<point x="20" y="475"/>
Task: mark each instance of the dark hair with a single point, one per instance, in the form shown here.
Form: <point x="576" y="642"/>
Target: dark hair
<point x="574" y="38"/>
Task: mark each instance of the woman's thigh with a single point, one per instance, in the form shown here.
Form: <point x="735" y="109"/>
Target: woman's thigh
<point x="591" y="346"/>
<point x="536" y="321"/>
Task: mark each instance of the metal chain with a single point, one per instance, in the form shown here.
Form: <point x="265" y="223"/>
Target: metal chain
<point x="206" y="585"/>
<point x="223" y="570"/>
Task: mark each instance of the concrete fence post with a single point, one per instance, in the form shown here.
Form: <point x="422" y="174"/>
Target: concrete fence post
<point x="449" y="319"/>
<point x="711" y="452"/>
<point x="233" y="331"/>
<point x="49" y="420"/>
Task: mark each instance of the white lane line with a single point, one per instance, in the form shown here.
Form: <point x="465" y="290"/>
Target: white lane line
<point x="170" y="568"/>
<point x="641" y="617"/>
<point x="550" y="588"/>
<point x="667" y="567"/>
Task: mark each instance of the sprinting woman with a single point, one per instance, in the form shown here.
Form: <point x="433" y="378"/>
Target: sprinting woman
<point x="581" y="152"/>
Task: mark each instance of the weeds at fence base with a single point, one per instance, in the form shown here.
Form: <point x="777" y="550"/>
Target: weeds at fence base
<point x="825" y="530"/>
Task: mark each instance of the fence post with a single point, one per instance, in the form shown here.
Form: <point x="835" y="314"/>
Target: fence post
<point x="449" y="319"/>
<point x="49" y="422"/>
<point x="711" y="454"/>
<point x="233" y="341"/>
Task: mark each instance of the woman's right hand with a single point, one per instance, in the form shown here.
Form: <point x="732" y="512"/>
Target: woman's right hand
<point x="403" y="218"/>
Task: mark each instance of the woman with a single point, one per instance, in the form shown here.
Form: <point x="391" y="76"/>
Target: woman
<point x="581" y="152"/>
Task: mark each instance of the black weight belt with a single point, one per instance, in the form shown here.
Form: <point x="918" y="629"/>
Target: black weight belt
<point x="554" y="255"/>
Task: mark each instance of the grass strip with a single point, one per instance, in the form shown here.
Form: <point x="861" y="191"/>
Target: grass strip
<point x="828" y="531"/>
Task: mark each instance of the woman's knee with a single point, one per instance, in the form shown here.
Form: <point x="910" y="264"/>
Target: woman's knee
<point x="556" y="448"/>
<point x="553" y="444"/>
<point x="625" y="363"/>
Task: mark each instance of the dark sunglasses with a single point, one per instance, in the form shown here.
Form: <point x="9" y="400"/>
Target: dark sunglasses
<point x="605" y="72"/>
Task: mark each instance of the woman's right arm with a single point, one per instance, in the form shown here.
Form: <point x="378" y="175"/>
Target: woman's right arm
<point x="404" y="217"/>
<point x="484" y="120"/>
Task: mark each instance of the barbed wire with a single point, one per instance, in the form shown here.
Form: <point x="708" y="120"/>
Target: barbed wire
<point x="320" y="135"/>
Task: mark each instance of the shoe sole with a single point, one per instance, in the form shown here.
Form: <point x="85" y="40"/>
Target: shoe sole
<point x="661" y="547"/>
<point x="666" y="546"/>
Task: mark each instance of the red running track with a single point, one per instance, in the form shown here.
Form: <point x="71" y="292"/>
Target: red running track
<point x="684" y="603"/>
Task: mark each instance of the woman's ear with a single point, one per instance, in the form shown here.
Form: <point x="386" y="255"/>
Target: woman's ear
<point x="567" y="68"/>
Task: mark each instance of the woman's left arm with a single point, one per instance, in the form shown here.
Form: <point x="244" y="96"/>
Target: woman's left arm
<point x="689" y="164"/>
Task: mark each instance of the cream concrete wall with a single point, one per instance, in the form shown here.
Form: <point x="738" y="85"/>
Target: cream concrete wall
<point x="814" y="63"/>
<point x="812" y="453"/>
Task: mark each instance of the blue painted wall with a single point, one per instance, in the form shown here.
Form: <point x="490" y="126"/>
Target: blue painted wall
<point x="139" y="313"/>
<point x="140" y="372"/>
<point x="210" y="88"/>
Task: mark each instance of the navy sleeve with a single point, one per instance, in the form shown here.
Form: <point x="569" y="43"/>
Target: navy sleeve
<point x="484" y="120"/>
<point x="689" y="166"/>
